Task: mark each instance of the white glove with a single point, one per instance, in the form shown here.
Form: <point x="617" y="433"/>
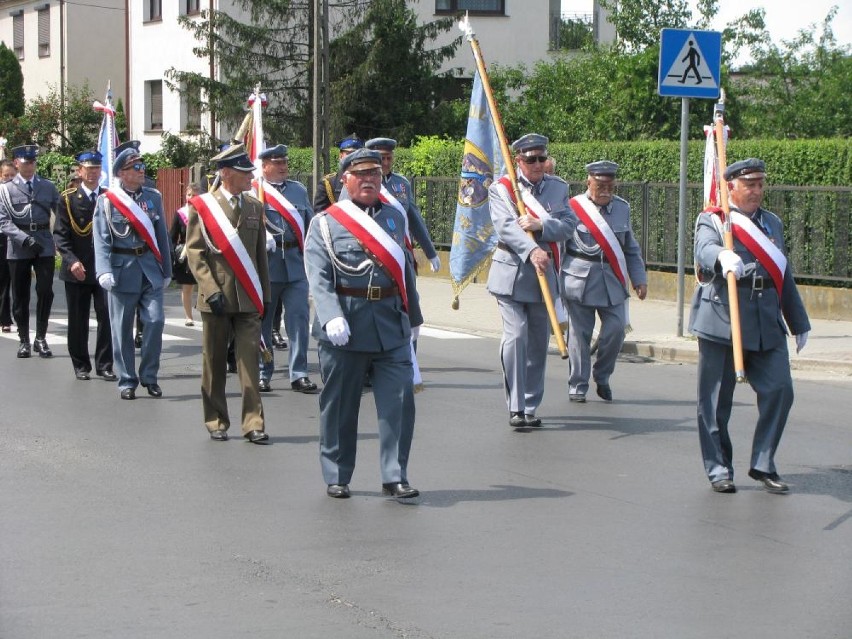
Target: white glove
<point x="731" y="262"/>
<point x="415" y="333"/>
<point x="435" y="264"/>
<point x="270" y="242"/>
<point x="106" y="280"/>
<point x="337" y="330"/>
<point x="801" y="340"/>
<point x="166" y="282"/>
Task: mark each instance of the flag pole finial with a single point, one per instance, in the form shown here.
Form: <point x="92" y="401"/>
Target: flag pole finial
<point x="466" y="27"/>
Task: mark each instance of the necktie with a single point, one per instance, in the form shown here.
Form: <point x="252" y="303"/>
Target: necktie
<point x="30" y="187"/>
<point x="93" y="197"/>
<point x="235" y="202"/>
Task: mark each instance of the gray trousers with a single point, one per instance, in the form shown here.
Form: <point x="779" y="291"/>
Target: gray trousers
<point x="297" y="324"/>
<point x="342" y="374"/>
<point x="523" y="353"/>
<point x="122" y="313"/>
<point x="768" y="373"/>
<point x="581" y="324"/>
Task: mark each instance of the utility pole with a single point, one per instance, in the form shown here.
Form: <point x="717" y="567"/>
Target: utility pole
<point x="322" y="101"/>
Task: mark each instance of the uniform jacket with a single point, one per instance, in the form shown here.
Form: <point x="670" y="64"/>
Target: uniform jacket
<point x="512" y="274"/>
<point x="376" y="326"/>
<point x="328" y="191"/>
<point x="593" y="282"/>
<point x="288" y="265"/>
<point x="401" y="189"/>
<point x="112" y="230"/>
<point x="762" y="317"/>
<point x="74" y="241"/>
<point x="211" y="269"/>
<point x="36" y="210"/>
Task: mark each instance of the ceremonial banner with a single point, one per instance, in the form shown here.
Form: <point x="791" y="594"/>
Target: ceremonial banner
<point x="711" y="172"/>
<point x="473" y="233"/>
<point x="107" y="138"/>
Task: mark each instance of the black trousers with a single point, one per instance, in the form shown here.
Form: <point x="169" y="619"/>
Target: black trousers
<point x="21" y="271"/>
<point x="5" y="286"/>
<point x="80" y="298"/>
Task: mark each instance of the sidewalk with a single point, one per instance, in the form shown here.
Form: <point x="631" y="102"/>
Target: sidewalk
<point x="654" y="323"/>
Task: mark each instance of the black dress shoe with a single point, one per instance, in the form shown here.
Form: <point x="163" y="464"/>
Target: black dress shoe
<point x="580" y="398"/>
<point x="137" y="341"/>
<point x="232" y="367"/>
<point x="154" y="389"/>
<point x="219" y="435"/>
<point x="40" y="346"/>
<point x="338" y="491"/>
<point x="263" y="386"/>
<point x="257" y="437"/>
<point x="399" y="490"/>
<point x="277" y="341"/>
<point x="532" y="421"/>
<point x="771" y="482"/>
<point x="128" y="393"/>
<point x="724" y="486"/>
<point x="83" y="376"/>
<point x="604" y="392"/>
<point x="107" y="374"/>
<point x="516" y="420"/>
<point x="24" y="350"/>
<point x="304" y="385"/>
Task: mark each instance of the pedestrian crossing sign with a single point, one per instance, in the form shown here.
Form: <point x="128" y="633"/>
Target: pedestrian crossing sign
<point x="690" y="62"/>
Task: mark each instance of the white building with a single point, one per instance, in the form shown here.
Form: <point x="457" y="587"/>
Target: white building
<point x="61" y="43"/>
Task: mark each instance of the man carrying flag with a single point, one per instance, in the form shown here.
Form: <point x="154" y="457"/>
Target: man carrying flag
<point x="132" y="262"/>
<point x="226" y="252"/>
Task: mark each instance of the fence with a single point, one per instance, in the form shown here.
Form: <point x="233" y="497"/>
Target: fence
<point x="817" y="222"/>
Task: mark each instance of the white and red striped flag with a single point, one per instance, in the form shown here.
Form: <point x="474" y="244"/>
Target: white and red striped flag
<point x="107" y="137"/>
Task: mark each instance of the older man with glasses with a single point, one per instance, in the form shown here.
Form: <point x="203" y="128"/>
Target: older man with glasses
<point x="132" y="263"/>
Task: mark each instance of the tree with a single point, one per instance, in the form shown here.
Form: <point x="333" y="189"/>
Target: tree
<point x="43" y="118"/>
<point x="11" y="83"/>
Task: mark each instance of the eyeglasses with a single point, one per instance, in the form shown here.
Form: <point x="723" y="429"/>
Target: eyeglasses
<point x="532" y="159"/>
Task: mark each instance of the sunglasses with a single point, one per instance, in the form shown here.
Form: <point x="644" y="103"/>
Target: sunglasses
<point x="136" y="166"/>
<point x="532" y="159"/>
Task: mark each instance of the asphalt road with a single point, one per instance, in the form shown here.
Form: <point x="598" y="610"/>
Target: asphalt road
<point x="122" y="519"/>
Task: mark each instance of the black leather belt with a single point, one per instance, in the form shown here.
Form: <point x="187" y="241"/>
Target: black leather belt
<point x="597" y="257"/>
<point x="138" y="250"/>
<point x="506" y="247"/>
<point x="756" y="283"/>
<point x="372" y="293"/>
<point x="286" y="244"/>
<point x="32" y="226"/>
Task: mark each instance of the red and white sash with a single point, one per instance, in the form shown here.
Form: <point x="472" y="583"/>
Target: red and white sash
<point x="374" y="239"/>
<point x="755" y="240"/>
<point x="227" y="240"/>
<point x="388" y="198"/>
<point x="272" y="196"/>
<point x="535" y="209"/>
<point x="589" y="215"/>
<point x="137" y="218"/>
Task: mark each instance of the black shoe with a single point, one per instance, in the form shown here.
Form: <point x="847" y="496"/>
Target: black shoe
<point x="338" y="491"/>
<point x="83" y="376"/>
<point x="128" y="393"/>
<point x="263" y="386"/>
<point x="724" y="486"/>
<point x="257" y="437"/>
<point x="219" y="435"/>
<point x="277" y="341"/>
<point x="232" y="367"/>
<point x="107" y="374"/>
<point x="40" y="346"/>
<point x="516" y="420"/>
<point x="604" y="392"/>
<point x="399" y="490"/>
<point x="24" y="350"/>
<point x="580" y="398"/>
<point x="771" y="482"/>
<point x="137" y="341"/>
<point x="154" y="389"/>
<point x="532" y="421"/>
<point x="304" y="385"/>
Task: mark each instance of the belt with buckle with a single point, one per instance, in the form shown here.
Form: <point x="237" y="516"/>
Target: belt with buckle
<point x="372" y="293"/>
<point x="597" y="257"/>
<point x="32" y="226"/>
<point x="286" y="244"/>
<point x="756" y="283"/>
<point x="138" y="250"/>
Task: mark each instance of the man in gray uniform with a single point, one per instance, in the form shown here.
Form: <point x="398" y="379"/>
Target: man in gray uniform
<point x="513" y="278"/>
<point x="287" y="220"/>
<point x="768" y="298"/>
<point x="26" y="204"/>
<point x="367" y="313"/>
<point x="600" y="257"/>
<point x="400" y="190"/>
<point x="132" y="263"/>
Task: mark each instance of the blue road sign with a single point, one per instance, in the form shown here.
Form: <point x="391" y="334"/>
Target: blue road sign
<point x="690" y="62"/>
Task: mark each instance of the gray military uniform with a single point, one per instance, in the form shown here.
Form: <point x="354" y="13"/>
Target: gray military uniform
<point x="339" y="272"/>
<point x="762" y="323"/>
<point x="590" y="286"/>
<point x="513" y="281"/>
<point x="401" y="189"/>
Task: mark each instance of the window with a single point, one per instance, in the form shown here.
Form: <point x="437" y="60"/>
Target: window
<point x="153" y="11"/>
<point x="191" y="109"/>
<point x="190" y="7"/>
<point x="474" y="7"/>
<point x="154" y="104"/>
<point x="43" y="31"/>
<point x="18" y="34"/>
